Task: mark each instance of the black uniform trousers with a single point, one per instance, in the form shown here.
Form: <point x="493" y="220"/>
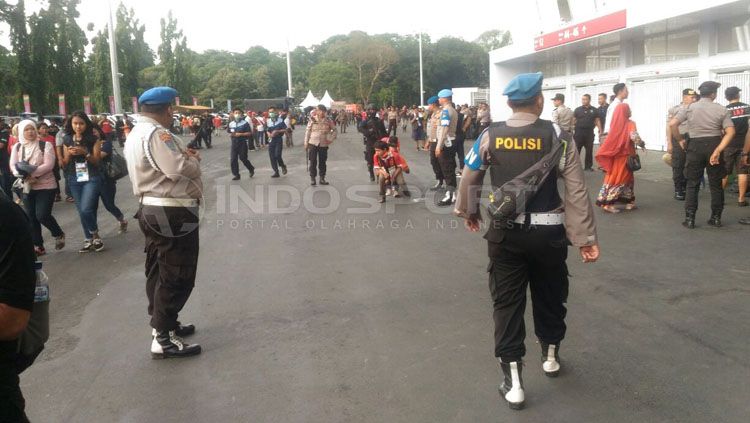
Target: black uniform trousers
<point x="533" y="257"/>
<point x="392" y="127"/>
<point x="584" y="138"/>
<point x="172" y="246"/>
<point x="447" y="162"/>
<point x="458" y="146"/>
<point x="699" y="152"/>
<point x="435" y="162"/>
<point x="679" y="157"/>
<point x="369" y="154"/>
<point x="238" y="153"/>
<point x="318" y="156"/>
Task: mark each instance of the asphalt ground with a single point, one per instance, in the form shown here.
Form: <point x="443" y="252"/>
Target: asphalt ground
<point x="311" y="313"/>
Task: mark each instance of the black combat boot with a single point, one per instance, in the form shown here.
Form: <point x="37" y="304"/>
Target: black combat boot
<point x="679" y="195"/>
<point x="313" y="182"/>
<point x="512" y="388"/>
<point x="323" y="180"/>
<point x="167" y="344"/>
<point x="689" y="220"/>
<point x="181" y="330"/>
<point x="551" y="359"/>
<point x="715" y="220"/>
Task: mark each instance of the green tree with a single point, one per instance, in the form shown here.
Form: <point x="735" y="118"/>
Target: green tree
<point x="67" y="67"/>
<point x="336" y="77"/>
<point x="493" y="39"/>
<point x="369" y="57"/>
<point x="19" y="40"/>
<point x="133" y="53"/>
<point x="100" y="72"/>
<point x="174" y="57"/>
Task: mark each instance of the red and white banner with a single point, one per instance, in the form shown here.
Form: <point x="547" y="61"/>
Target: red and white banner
<point x="26" y="103"/>
<point x="61" y="104"/>
<point x="177" y="101"/>
<point x="195" y="101"/>
<point x="135" y="104"/>
<point x="592" y="28"/>
<point x="87" y="104"/>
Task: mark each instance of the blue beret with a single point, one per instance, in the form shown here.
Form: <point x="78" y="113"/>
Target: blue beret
<point x="445" y="93"/>
<point x="524" y="86"/>
<point x="432" y="100"/>
<point x="158" y="95"/>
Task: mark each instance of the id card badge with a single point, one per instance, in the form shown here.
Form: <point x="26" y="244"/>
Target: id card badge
<point x="82" y="172"/>
<point x="449" y="142"/>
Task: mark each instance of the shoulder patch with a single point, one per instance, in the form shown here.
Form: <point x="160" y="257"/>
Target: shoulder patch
<point x="168" y="140"/>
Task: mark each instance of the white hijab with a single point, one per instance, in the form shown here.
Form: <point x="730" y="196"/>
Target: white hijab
<point x="29" y="146"/>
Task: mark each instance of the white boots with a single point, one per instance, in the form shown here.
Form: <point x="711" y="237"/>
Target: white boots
<point x="512" y="388"/>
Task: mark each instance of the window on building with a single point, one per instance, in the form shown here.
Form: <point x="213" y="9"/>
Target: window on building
<point x="600" y="54"/>
<point x="666" y="41"/>
<point x="733" y="34"/>
<point x="564" y="8"/>
<point x="552" y="63"/>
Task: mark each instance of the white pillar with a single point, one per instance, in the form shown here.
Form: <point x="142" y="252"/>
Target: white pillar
<point x="113" y="62"/>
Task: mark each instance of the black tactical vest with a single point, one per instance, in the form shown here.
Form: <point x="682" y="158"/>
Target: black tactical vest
<point x="513" y="150"/>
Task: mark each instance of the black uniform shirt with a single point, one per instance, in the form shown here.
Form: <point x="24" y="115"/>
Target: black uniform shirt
<point x="740" y="113"/>
<point x="17" y="276"/>
<point x="585" y="117"/>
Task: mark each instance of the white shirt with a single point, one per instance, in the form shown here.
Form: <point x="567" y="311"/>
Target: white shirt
<point x="610" y="111"/>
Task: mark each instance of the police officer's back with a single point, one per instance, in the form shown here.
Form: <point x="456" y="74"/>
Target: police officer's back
<point x="707" y="121"/>
<point x="527" y="243"/>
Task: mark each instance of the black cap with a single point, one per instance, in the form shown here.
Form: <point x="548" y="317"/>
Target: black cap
<point x="559" y="96"/>
<point x="732" y="92"/>
<point x="708" y="87"/>
<point x="688" y="91"/>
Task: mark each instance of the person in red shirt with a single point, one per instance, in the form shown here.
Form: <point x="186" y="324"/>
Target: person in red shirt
<point x="390" y="166"/>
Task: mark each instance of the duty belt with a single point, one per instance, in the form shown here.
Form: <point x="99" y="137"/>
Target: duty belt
<point x="169" y="202"/>
<point x="542" y="219"/>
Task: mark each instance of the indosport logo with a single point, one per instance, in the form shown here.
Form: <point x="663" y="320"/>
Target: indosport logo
<point x="176" y="222"/>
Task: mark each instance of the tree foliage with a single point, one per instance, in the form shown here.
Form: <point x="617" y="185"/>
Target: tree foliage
<point x="48" y="56"/>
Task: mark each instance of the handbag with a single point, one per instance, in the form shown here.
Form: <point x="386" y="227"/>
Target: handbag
<point x="115" y="167"/>
<point x="634" y="162"/>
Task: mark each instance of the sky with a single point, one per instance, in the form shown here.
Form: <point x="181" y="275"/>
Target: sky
<point x="213" y="25"/>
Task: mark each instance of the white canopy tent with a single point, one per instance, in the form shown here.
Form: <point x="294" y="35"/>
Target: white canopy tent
<point x="309" y="101"/>
<point x="326" y="100"/>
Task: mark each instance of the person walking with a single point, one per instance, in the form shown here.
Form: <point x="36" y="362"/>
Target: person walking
<point x="585" y="119"/>
<point x="240" y="132"/>
<point x="320" y="133"/>
<point x="33" y="160"/>
<point x="528" y="241"/>
<point x="621" y="94"/>
<point x="711" y="131"/>
<point x="81" y="156"/>
<point x="675" y="149"/>
<point x="619" y="183"/>
<point x="275" y="131"/>
<point x="109" y="190"/>
<point x="166" y="179"/>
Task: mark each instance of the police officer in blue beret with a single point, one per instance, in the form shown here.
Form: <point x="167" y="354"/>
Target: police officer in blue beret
<point x="530" y="226"/>
<point x="166" y="178"/>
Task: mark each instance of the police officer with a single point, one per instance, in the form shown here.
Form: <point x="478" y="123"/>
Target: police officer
<point x="706" y="120"/>
<point x="240" y="132"/>
<point x="445" y="148"/>
<point x="372" y="130"/>
<point x="433" y="123"/>
<point x="530" y="249"/>
<point x="585" y="119"/>
<point x="674" y="148"/>
<point x="561" y="114"/>
<point x="166" y="179"/>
